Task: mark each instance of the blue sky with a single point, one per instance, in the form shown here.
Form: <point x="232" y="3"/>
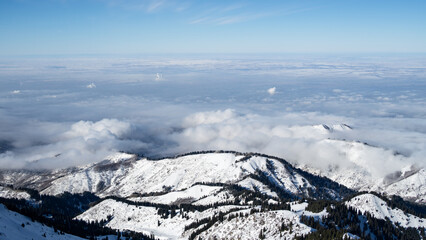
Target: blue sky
<point x="51" y="27"/>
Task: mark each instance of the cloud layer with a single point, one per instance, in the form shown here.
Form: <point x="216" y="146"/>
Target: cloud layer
<point x="321" y="146"/>
<point x="53" y="145"/>
<point x="57" y="120"/>
<point x="338" y="142"/>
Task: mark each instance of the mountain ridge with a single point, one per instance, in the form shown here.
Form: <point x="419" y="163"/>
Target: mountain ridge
<point x="207" y="194"/>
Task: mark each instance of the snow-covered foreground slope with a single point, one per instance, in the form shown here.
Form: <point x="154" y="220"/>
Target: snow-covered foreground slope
<point x="15" y="226"/>
<point x="380" y="210"/>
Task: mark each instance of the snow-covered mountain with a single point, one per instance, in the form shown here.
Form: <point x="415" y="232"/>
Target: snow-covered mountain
<point x="208" y="195"/>
<point x="124" y="175"/>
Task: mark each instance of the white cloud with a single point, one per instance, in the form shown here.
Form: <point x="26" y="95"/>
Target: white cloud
<point x="63" y="145"/>
<point x="91" y="85"/>
<point x="272" y="91"/>
<point x="105" y="129"/>
<point x="16" y="92"/>
<point x="159" y="77"/>
<point x="212" y="117"/>
<point x="298" y="137"/>
<point x="308" y="144"/>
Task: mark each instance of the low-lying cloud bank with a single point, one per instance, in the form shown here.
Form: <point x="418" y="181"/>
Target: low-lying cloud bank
<point x="332" y="142"/>
<point x="55" y="145"/>
<point x="317" y="140"/>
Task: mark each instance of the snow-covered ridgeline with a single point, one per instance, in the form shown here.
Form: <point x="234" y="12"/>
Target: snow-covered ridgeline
<point x="144" y="176"/>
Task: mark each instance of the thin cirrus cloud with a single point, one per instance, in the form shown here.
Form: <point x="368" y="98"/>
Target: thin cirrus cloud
<point x="227" y="17"/>
<point x="240" y="13"/>
<point x="145" y="6"/>
<point x="154" y="5"/>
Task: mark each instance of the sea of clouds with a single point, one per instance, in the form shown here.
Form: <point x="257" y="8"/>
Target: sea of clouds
<point x="63" y="112"/>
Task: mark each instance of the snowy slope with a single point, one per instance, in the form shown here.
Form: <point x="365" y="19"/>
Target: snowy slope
<point x="15" y="226"/>
<point x="217" y="197"/>
<point x="189" y="195"/>
<point x="412" y="187"/>
<point x="146" y="219"/>
<point x="299" y="209"/>
<point x="250" y="227"/>
<point x="380" y="210"/>
<point x="6" y="192"/>
<point x="256" y="185"/>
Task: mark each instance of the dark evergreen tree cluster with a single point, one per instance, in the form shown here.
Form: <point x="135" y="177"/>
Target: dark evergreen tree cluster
<point x="154" y="158"/>
<point x="317" y="206"/>
<point x="341" y="219"/>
